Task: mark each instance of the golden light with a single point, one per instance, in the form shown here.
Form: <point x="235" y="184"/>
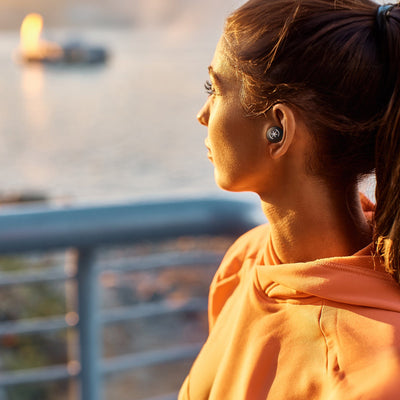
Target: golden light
<point x="31" y="29"/>
<point x="32" y="47"/>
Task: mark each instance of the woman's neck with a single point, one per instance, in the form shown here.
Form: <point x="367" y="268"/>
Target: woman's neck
<point x="313" y="223"/>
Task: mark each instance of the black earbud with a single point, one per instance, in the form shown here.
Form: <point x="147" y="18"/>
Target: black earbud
<point x="274" y="134"/>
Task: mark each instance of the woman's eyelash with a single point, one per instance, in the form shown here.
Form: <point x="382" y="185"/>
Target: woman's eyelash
<point x="209" y="88"/>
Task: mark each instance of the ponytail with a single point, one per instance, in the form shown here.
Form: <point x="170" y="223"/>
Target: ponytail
<point x="387" y="157"/>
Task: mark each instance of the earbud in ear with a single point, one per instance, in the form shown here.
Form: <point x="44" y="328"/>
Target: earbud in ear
<point x="274" y="134"/>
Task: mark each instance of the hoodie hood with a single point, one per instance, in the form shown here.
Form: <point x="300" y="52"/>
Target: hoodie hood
<point x="358" y="280"/>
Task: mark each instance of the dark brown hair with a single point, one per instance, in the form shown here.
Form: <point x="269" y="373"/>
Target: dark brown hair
<point x="339" y="67"/>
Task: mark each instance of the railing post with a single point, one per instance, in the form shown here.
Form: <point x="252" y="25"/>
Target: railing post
<point x="89" y="327"/>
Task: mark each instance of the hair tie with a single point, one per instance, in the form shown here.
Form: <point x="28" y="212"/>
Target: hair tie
<point x="382" y="15"/>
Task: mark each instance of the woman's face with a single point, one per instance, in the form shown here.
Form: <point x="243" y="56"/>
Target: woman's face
<point x="236" y="144"/>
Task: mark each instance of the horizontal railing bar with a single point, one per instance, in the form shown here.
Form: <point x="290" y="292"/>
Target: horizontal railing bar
<point x="35" y="375"/>
<point x="164" y="260"/>
<point x="149" y="358"/>
<point x="110" y="366"/>
<point x="19" y="278"/>
<point x="33" y="325"/>
<point x="39" y="325"/>
<point x="152" y="310"/>
<point x="150" y="262"/>
<point x="24" y="229"/>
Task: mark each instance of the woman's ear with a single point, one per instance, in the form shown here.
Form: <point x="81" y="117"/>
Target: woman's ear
<point x="284" y="118"/>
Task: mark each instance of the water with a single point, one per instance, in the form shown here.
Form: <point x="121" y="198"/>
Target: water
<point x="119" y="131"/>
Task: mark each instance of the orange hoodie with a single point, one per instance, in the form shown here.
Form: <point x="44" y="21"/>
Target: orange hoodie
<point x="327" y="329"/>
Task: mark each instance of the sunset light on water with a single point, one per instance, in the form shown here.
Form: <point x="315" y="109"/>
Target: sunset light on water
<point x="31" y="30"/>
<point x="32" y="47"/>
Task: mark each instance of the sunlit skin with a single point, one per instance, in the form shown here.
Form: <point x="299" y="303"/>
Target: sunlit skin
<point x="309" y="219"/>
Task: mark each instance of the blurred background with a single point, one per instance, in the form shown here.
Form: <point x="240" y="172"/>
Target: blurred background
<point x="117" y="130"/>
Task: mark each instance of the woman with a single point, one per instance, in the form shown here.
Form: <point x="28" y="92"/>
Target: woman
<point x="304" y="100"/>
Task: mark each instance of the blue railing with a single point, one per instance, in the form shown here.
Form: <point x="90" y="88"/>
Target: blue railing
<point x="85" y="229"/>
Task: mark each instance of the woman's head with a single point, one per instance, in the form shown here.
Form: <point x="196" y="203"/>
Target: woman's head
<point x="324" y="58"/>
<point x="335" y="64"/>
<point x="235" y="142"/>
<point x="244" y="158"/>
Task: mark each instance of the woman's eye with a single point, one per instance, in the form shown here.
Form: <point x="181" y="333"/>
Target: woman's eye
<point x="209" y="88"/>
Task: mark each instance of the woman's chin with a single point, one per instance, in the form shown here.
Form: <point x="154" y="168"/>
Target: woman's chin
<point x="227" y="184"/>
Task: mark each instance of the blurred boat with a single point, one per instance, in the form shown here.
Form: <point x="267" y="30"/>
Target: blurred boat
<point x="34" y="49"/>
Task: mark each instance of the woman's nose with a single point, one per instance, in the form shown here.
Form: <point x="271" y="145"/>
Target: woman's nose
<point x="203" y="114"/>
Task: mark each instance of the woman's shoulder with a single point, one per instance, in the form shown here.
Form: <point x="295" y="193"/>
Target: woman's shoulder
<point x="229" y="274"/>
<point x="250" y="242"/>
<point x="247" y="246"/>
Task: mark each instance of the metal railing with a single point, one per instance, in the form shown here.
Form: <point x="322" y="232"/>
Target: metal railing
<point x="85" y="229"/>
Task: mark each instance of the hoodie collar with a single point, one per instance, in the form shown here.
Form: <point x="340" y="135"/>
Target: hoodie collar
<point x="358" y="280"/>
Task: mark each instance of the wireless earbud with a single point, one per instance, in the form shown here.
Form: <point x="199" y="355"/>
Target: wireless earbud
<point x="274" y="134"/>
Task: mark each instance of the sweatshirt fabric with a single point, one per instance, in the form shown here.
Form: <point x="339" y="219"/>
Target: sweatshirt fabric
<point x="326" y="329"/>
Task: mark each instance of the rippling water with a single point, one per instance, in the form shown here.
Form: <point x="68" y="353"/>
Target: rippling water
<point x="119" y="131"/>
